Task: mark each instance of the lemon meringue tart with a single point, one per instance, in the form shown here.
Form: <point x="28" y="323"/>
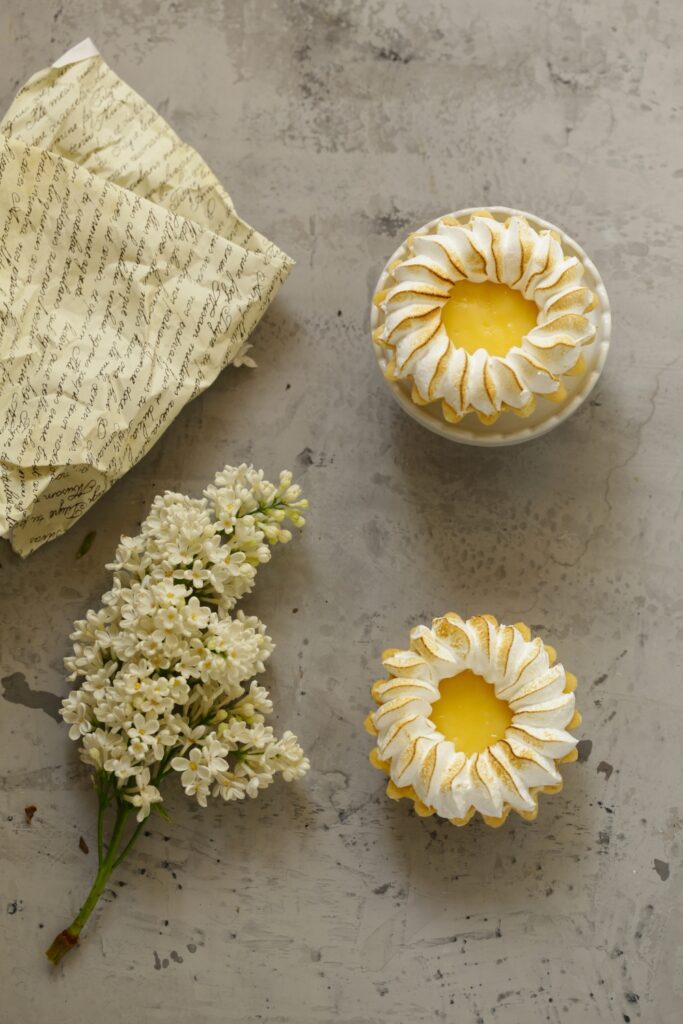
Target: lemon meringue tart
<point x="484" y="315"/>
<point x="473" y="717"/>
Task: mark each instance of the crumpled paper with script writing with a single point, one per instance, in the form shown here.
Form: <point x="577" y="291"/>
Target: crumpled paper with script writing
<point x="127" y="283"/>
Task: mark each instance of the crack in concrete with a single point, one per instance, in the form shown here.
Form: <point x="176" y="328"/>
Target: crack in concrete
<point x="615" y="469"/>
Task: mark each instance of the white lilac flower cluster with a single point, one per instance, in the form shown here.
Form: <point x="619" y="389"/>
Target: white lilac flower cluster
<point x="166" y="668"/>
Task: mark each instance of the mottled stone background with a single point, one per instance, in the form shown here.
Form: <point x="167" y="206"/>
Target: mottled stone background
<point x="337" y="127"/>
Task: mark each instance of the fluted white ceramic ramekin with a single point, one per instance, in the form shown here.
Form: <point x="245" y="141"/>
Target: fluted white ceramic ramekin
<point x="509" y="428"/>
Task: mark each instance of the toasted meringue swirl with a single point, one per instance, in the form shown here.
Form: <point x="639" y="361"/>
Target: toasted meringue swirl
<point x="425" y="765"/>
<point x="484" y="249"/>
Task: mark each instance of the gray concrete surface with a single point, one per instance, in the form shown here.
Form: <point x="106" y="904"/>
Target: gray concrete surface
<point x="337" y="127"/>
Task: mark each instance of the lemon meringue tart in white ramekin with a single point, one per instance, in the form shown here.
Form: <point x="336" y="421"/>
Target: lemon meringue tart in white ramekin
<point x="473" y="717"/>
<point x="493" y="317"/>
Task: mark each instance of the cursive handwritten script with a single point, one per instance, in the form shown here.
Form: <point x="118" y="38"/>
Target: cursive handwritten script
<point x="127" y="282"/>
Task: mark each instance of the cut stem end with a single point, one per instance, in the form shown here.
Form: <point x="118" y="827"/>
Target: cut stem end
<point x="63" y="943"/>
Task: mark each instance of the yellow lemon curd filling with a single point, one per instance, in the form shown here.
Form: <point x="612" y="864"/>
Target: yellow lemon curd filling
<point x="487" y="315"/>
<point x="469" y="714"/>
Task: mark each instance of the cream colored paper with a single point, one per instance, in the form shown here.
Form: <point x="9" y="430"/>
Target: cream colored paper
<point x="127" y="283"/>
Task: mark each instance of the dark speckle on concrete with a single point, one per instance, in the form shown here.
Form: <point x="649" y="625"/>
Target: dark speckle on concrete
<point x="392" y="223"/>
<point x="17" y="691"/>
<point x="381" y="889"/>
<point x="584" y="748"/>
<point x="390" y="54"/>
<point x="605" y="768"/>
<point x="157" y="961"/>
<point x="305" y="457"/>
<point x="561" y="79"/>
<point x="662" y="869"/>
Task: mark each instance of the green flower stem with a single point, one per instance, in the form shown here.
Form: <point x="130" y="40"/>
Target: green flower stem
<point x="103" y="802"/>
<point x="129" y="844"/>
<point x="67" y="939"/>
<point x="100" y="833"/>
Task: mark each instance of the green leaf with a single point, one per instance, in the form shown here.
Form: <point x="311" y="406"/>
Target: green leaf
<point x="162" y="812"/>
<point x="86" y="544"/>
